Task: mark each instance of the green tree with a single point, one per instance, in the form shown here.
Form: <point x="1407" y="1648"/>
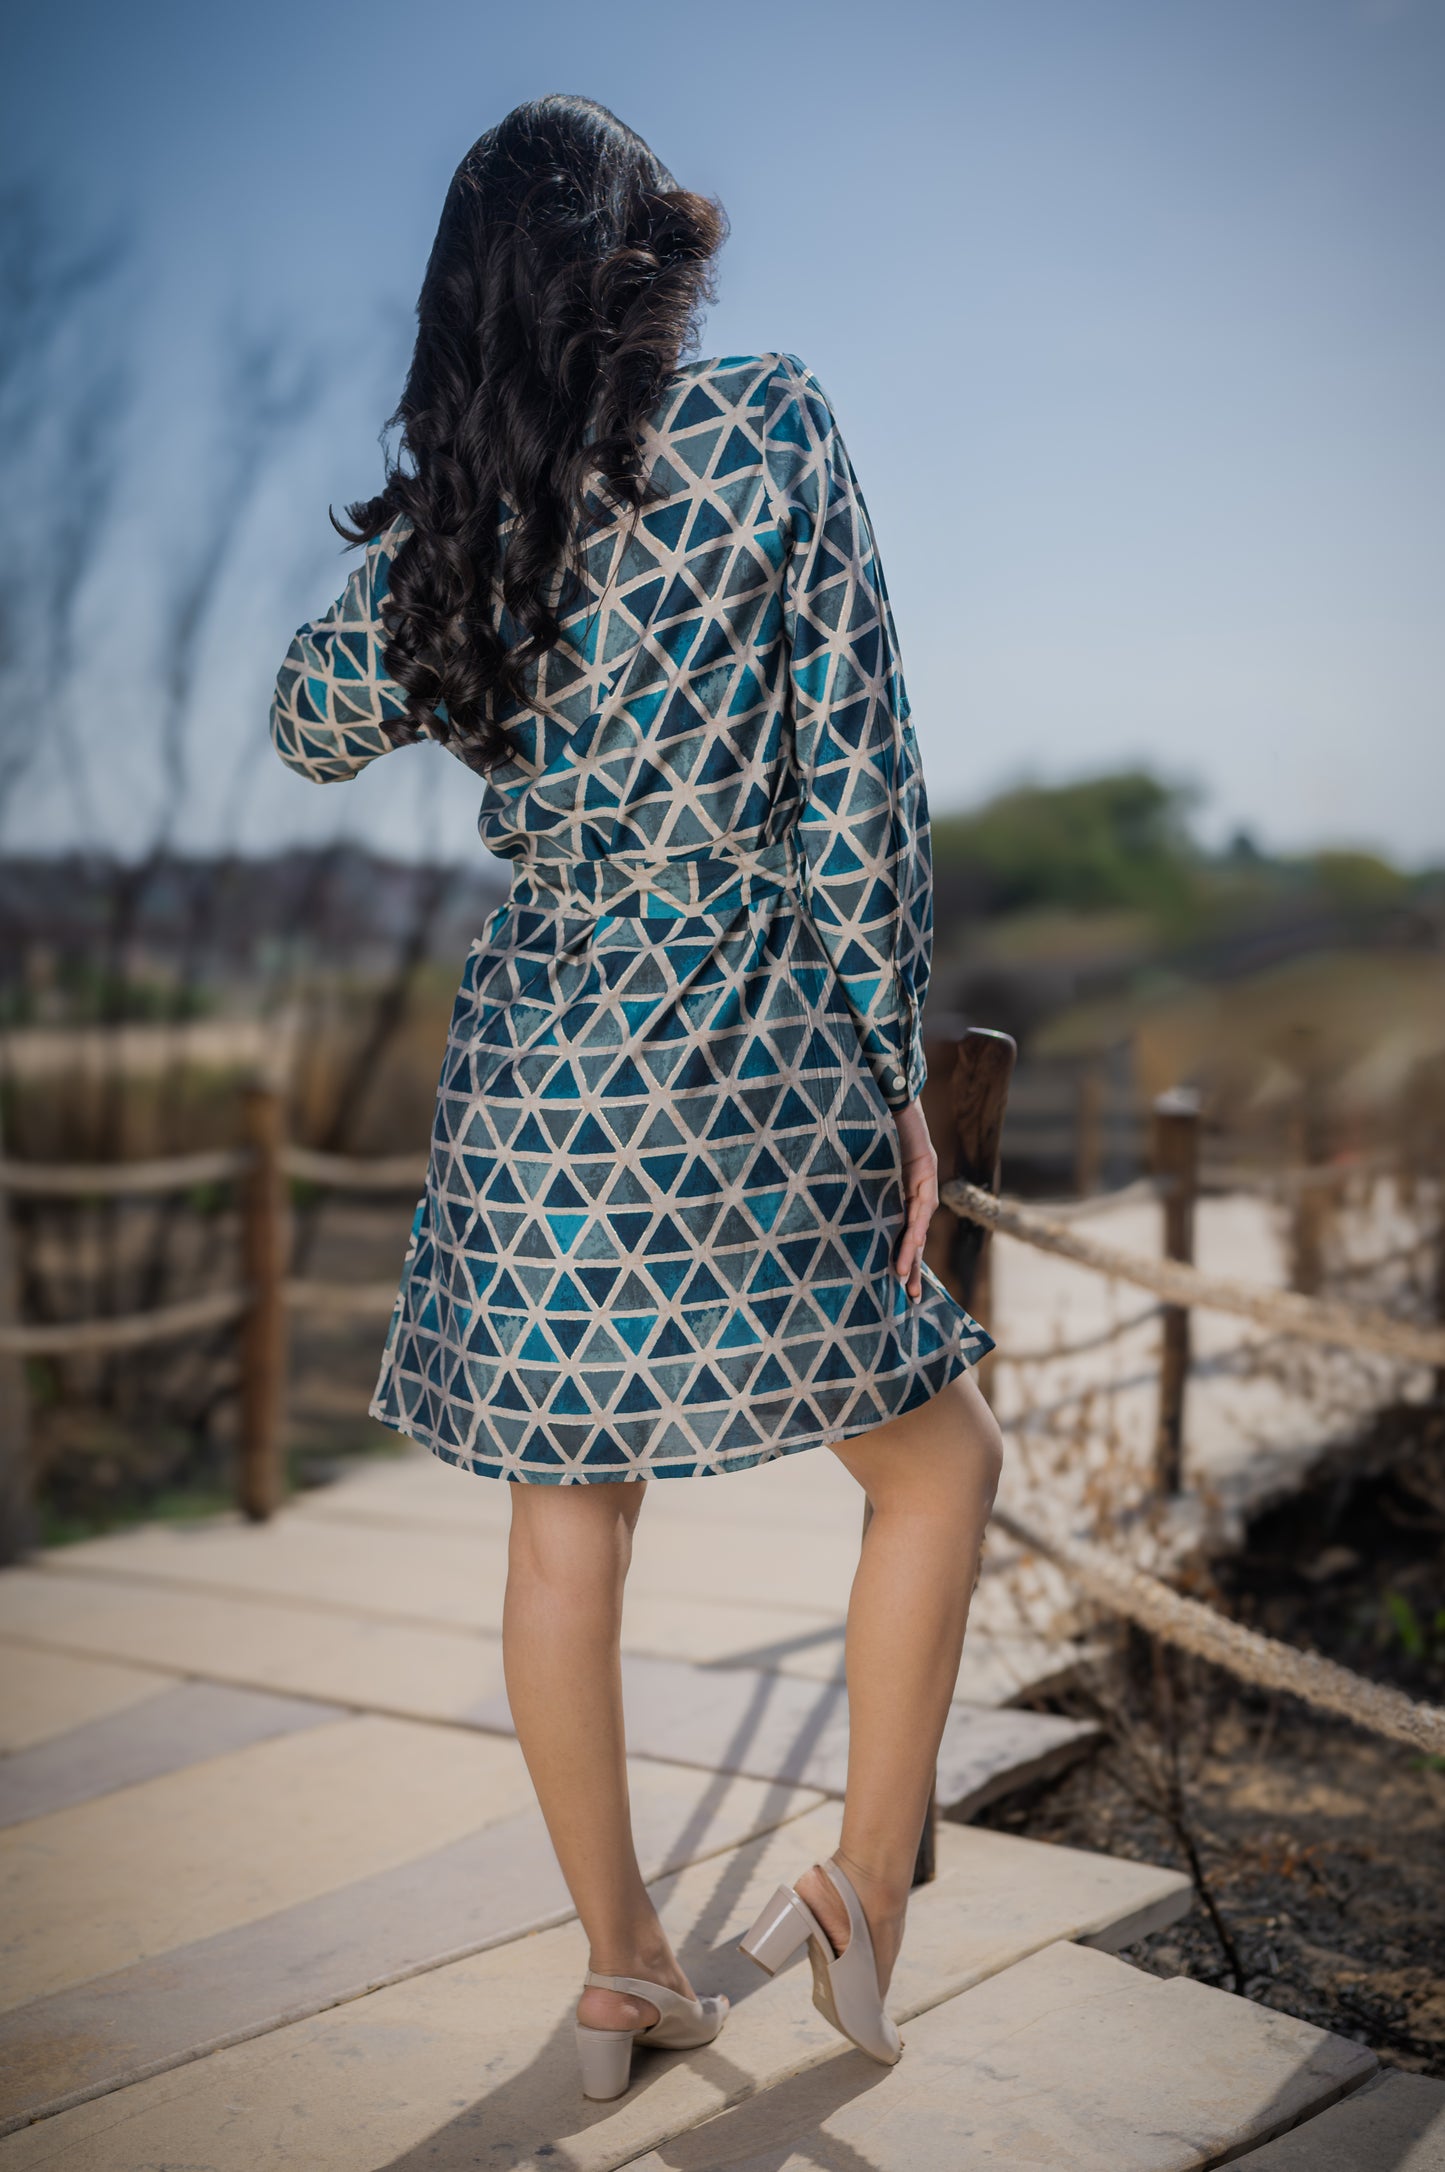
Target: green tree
<point x="1105" y="842"/>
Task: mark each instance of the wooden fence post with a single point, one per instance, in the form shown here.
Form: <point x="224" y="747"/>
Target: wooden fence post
<point x="1419" y="1171"/>
<point x="941" y="1050"/>
<point x="981" y="1075"/>
<point x="968" y="1149"/>
<point x="17" y="1514"/>
<point x="1313" y="1202"/>
<point x="1436" y="1154"/>
<point x="1175" y="1161"/>
<point x="1088" y="1138"/>
<point x="264" y="1248"/>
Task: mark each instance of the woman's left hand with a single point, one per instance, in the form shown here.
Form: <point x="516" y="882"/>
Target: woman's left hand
<point x="920" y="1194"/>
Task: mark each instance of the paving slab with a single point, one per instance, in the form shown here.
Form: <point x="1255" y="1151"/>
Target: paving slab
<point x="814" y="1492"/>
<point x="456" y="1577"/>
<point x="350" y="1659"/>
<point x="1396" y="2123"/>
<point x="995" y="1670"/>
<point x="411" y="1579"/>
<point x="429" y="1672"/>
<point x="986" y="1753"/>
<point x="328" y="1652"/>
<point x="453" y="1580"/>
<point x="703" y="1629"/>
<point x="182" y="1724"/>
<point x="473" y="2065"/>
<point x="778" y="1727"/>
<point x="45" y="1694"/>
<point x="492" y="1885"/>
<point x="134" y="1874"/>
<point x="696" y="1588"/>
<point x="1069" y="2059"/>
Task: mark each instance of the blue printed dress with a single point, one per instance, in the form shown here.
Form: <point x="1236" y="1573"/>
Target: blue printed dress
<point x="663" y="1192"/>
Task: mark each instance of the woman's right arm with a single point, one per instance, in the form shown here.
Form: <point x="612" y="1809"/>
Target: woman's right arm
<point x="334" y="697"/>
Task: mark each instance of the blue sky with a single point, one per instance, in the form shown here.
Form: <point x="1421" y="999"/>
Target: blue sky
<point x="1132" y="312"/>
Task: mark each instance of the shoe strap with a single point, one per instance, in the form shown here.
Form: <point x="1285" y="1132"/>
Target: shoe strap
<point x="659" y="1995"/>
<point x="847" y="1893"/>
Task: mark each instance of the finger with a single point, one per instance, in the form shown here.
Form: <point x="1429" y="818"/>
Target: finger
<point x="919" y="1220"/>
<point x="911" y="1243"/>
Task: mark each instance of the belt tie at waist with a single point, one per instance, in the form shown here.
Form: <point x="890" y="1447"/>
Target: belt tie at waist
<point x="671" y="888"/>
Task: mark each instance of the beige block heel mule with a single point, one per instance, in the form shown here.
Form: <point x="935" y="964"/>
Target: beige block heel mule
<point x="605" y="2055"/>
<point x="845" y="1985"/>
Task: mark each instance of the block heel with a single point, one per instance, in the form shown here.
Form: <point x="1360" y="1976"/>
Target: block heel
<point x="845" y="1985"/>
<point x="785" y="1924"/>
<point x="605" y="2057"/>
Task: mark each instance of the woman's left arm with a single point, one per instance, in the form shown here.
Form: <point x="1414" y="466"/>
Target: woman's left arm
<point x="334" y="696"/>
<point x="864" y="826"/>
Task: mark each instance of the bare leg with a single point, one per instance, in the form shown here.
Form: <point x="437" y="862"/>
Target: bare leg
<point x="931" y="1477"/>
<point x="561" y="1652"/>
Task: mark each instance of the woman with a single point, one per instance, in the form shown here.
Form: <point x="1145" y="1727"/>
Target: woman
<point x="679" y="1181"/>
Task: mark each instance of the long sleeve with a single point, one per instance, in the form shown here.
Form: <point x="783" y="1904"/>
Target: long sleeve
<point x="333" y="696"/>
<point x="864" y="826"/>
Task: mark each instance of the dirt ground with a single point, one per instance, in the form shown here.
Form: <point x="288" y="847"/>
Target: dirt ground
<point x="1318" y="1851"/>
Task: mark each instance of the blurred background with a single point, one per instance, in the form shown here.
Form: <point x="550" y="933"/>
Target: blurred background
<point x="1132" y="317"/>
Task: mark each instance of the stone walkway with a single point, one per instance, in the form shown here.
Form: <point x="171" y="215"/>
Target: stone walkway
<point x="278" y="1894"/>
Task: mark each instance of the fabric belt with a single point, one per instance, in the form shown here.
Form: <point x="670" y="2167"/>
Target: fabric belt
<point x="715" y="881"/>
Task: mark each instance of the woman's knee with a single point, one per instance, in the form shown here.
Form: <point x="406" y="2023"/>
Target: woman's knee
<point x="950" y="1446"/>
<point x="575" y="1539"/>
<point x="984" y="1433"/>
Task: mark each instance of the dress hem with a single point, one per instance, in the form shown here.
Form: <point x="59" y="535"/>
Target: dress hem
<point x="825" y="1438"/>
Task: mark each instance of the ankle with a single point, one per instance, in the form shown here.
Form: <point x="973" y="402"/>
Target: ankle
<point x="646" y="1958"/>
<point x="650" y="1957"/>
<point x="883" y="1892"/>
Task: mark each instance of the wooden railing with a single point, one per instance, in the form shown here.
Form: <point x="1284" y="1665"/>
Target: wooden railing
<point x="258" y="1303"/>
<point x="965" y="1099"/>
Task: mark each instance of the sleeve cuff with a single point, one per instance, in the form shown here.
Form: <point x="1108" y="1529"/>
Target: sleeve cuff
<point x="901" y="1079"/>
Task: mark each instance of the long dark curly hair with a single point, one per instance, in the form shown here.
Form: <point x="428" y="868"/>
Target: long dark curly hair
<point x="565" y="285"/>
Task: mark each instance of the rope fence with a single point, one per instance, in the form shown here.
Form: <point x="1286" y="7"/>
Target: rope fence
<point x="349" y="1300"/>
<point x="1299" y="1177"/>
<point x="260" y="1306"/>
<point x="348" y="1172"/>
<point x="265" y="1297"/>
<point x="1235" y="1177"/>
<point x="1313" y="1319"/>
<point x="1243" y="1652"/>
<point x="124" y="1330"/>
<point x="190" y="1316"/>
<point x="1310" y="1318"/>
<point x="1043" y="1355"/>
<point x="121" y="1179"/>
<point x="215" y="1308"/>
<point x="1135" y="1192"/>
